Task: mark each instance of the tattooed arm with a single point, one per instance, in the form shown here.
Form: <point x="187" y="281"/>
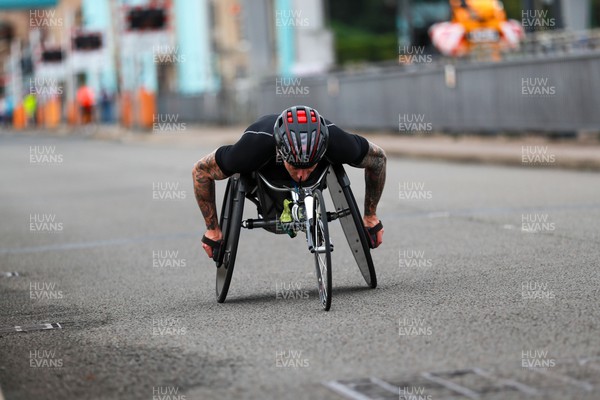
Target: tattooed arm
<point x="205" y="173"/>
<point x="374" y="164"/>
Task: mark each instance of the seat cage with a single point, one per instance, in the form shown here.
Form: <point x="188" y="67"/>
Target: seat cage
<point x="268" y="196"/>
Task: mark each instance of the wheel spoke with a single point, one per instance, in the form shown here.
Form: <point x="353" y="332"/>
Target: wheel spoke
<point x="322" y="250"/>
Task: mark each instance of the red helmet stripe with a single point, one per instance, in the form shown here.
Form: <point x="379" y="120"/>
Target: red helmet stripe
<point x="289" y="135"/>
<point x="302" y="117"/>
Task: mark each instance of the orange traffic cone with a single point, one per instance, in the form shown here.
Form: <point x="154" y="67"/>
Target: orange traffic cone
<point x="19" y="118"/>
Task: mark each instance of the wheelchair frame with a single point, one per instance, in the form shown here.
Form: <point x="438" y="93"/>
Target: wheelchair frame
<point x="258" y="190"/>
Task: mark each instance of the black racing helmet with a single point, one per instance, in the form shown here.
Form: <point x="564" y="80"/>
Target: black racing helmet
<point x="301" y="135"/>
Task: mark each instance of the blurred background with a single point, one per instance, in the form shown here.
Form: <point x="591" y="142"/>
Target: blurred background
<point x="454" y="65"/>
<point x="105" y="106"/>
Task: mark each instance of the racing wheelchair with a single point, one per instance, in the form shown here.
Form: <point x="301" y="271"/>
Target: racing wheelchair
<point x="305" y="210"/>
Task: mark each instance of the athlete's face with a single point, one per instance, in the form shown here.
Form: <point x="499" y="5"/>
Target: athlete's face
<point x="299" y="174"/>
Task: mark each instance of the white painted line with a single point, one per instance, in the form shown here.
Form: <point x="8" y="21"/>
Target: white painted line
<point x="346" y="391"/>
<point x="451" y="385"/>
<point x="588" y="359"/>
<point x="387" y="386"/>
<point x="94" y="244"/>
<point x="585" y="360"/>
<point x="588" y="362"/>
<point x="565" y="378"/>
<point x="31" y="328"/>
<point x="507" y="382"/>
<point x="1" y="395"/>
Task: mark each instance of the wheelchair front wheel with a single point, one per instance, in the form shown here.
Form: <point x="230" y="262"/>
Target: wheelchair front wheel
<point x="322" y="249"/>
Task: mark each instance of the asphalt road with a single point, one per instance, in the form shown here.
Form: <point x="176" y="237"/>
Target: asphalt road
<point x="483" y="267"/>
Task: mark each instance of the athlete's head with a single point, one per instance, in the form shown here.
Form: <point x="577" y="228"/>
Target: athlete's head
<point x="301" y="135"/>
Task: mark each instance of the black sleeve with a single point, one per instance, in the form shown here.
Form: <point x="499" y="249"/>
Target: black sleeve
<point x="255" y="148"/>
<point x="344" y="147"/>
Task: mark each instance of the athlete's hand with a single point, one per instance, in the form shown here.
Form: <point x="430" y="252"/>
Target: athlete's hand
<point x="214" y="234"/>
<point x="370" y="221"/>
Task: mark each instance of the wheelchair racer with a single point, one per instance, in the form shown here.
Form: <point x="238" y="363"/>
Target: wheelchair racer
<point x="298" y="144"/>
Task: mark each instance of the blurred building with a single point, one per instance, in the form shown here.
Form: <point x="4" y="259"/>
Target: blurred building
<point x="36" y="40"/>
<point x="576" y="14"/>
<point x="203" y="60"/>
<point x="191" y="52"/>
<point x="230" y="43"/>
<point x="287" y="37"/>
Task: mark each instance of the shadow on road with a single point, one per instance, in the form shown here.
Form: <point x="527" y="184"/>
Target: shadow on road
<point x="313" y="294"/>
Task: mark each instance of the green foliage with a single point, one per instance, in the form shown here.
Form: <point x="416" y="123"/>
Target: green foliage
<point x="513" y="8"/>
<point x="365" y="30"/>
<point x="354" y="44"/>
<point x="595" y="13"/>
<point x="375" y="16"/>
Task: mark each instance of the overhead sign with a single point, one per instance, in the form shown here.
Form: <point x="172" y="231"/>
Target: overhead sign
<point x="139" y="18"/>
<point x="49" y="63"/>
<point x="88" y="51"/>
<point x="87" y="41"/>
<point x="146" y="27"/>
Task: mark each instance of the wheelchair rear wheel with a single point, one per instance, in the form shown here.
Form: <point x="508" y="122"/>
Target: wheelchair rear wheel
<point x="230" y="224"/>
<point x="352" y="222"/>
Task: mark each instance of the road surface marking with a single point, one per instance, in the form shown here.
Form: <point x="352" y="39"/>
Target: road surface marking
<point x="507" y="382"/>
<point x="387" y="386"/>
<point x="31" y="328"/>
<point x="455" y="387"/>
<point x="93" y="244"/>
<point x="358" y="389"/>
<point x="346" y="390"/>
<point x="585" y="361"/>
<point x="469" y="212"/>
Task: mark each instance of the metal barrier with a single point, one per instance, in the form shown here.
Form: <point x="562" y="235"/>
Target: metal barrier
<point x="551" y="93"/>
<point x="560" y="42"/>
<point x="201" y="108"/>
<point x="551" y="85"/>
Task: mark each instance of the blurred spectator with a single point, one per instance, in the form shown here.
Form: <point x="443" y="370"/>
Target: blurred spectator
<point x="3" y="118"/>
<point x="30" y="106"/>
<point x="9" y="109"/>
<point x="106" y="103"/>
<point x="86" y="101"/>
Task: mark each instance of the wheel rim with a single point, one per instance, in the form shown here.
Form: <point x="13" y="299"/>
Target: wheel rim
<point x="322" y="257"/>
<point x="321" y="264"/>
